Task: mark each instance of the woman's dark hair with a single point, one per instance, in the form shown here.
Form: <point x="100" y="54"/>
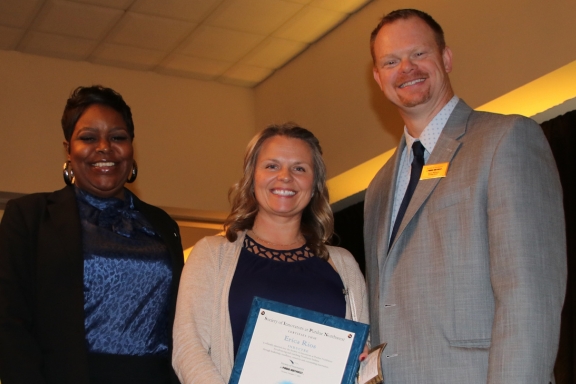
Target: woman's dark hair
<point x="83" y="97"/>
<point x="317" y="224"/>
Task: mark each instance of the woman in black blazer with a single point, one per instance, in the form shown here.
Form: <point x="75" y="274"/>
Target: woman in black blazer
<point x="89" y="273"/>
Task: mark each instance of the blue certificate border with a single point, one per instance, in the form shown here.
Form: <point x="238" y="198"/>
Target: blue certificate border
<point x="359" y="329"/>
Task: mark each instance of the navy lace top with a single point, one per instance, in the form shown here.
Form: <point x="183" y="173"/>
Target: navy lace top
<point x="127" y="279"/>
<point x="294" y="277"/>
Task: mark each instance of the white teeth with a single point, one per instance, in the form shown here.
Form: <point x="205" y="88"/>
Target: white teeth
<point x="283" y="192"/>
<point x="411" y="83"/>
<point x="104" y="164"/>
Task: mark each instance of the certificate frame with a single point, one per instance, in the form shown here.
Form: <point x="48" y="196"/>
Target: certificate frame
<point x="259" y="304"/>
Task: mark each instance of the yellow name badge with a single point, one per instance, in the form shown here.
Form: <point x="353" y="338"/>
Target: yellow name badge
<point x="434" y="171"/>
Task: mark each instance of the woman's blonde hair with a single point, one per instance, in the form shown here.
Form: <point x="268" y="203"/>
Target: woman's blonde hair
<point x="317" y="223"/>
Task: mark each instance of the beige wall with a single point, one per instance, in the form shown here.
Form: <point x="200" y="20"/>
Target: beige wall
<point x="497" y="45"/>
<point x="190" y="135"/>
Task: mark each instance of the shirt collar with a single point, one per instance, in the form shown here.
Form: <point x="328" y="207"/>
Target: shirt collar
<point x="431" y="133"/>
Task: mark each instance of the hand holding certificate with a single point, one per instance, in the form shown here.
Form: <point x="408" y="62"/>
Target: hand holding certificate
<point x="291" y="345"/>
<point x="371" y="368"/>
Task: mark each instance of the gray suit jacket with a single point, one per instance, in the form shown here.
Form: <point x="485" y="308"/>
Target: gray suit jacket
<point x="471" y="290"/>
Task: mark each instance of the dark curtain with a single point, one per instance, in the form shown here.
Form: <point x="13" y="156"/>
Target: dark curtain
<point x="561" y="134"/>
<point x="348" y="229"/>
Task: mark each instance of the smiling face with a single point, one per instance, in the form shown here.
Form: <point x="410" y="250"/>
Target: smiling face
<point x="100" y="152"/>
<point x="410" y="68"/>
<point x="284" y="177"/>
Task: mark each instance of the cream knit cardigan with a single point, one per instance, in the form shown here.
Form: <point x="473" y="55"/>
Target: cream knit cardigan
<point x="203" y="346"/>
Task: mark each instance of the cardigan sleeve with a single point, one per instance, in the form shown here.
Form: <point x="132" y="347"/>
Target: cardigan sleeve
<point x="20" y="355"/>
<point x="353" y="281"/>
<point x="191" y="356"/>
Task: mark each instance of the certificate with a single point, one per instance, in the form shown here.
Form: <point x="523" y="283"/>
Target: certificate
<point x="283" y="344"/>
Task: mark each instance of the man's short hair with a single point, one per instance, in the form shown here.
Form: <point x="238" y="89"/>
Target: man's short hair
<point x="406" y="14"/>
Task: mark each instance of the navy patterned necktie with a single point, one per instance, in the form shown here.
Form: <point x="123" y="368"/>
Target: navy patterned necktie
<point x="415" y="172"/>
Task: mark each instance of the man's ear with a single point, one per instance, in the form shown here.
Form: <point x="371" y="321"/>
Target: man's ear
<point x="376" y="75"/>
<point x="447" y="59"/>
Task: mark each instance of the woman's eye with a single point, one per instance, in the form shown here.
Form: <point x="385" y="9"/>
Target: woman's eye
<point x="271" y="166"/>
<point x="300" y="169"/>
<point x="119" y="138"/>
<point x="87" y="138"/>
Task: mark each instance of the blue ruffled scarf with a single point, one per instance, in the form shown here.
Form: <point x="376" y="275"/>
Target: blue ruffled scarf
<point x="116" y="215"/>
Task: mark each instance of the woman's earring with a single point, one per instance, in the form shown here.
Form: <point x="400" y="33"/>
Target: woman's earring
<point x="133" y="174"/>
<point x="68" y="173"/>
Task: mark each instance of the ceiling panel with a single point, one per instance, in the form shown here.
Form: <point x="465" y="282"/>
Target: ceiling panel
<point x="118" y="4"/>
<point x="150" y="32"/>
<point x="199" y="68"/>
<point x="9" y="37"/>
<point x="220" y="44"/>
<point x="64" y="47"/>
<point x="18" y="13"/>
<point x="310" y="24"/>
<point x="127" y="57"/>
<point x="273" y="53"/>
<point x="299" y="1"/>
<point x="190" y="10"/>
<point x="256" y="16"/>
<point x="73" y="19"/>
<point x="239" y="42"/>
<point x="346" y="6"/>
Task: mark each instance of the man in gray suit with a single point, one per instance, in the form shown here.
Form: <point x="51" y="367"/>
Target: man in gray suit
<point x="467" y="275"/>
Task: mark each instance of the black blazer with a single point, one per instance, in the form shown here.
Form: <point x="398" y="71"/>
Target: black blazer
<point x="42" y="336"/>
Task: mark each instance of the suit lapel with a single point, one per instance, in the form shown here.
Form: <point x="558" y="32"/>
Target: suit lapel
<point x="60" y="266"/>
<point x="444" y="151"/>
<point x="386" y="203"/>
<point x="61" y="246"/>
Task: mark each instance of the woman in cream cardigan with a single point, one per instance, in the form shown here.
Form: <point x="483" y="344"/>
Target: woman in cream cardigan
<point x="274" y="247"/>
